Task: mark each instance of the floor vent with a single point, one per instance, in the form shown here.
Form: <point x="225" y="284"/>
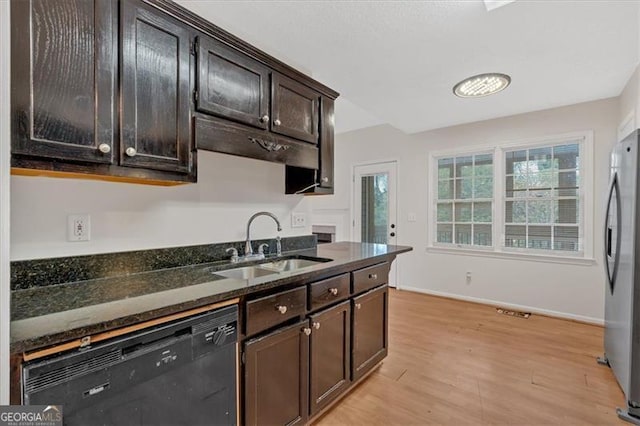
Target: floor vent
<point x="518" y="314"/>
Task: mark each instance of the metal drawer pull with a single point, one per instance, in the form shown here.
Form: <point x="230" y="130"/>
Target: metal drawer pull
<point x="277" y="122"/>
<point x="104" y="148"/>
<point x="131" y="151"/>
<point x="358" y="305"/>
<point x="264" y="119"/>
<point x="282" y="309"/>
<point x="333" y="291"/>
<point x="307" y="331"/>
<point x="316" y="325"/>
<point x="373" y="276"/>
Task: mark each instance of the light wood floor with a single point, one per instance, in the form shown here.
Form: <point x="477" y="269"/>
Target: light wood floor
<point x="457" y="363"/>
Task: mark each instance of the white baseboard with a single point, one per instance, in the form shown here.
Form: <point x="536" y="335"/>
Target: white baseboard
<point x="523" y="308"/>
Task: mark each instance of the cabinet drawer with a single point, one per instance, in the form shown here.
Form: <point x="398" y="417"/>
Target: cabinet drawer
<point x="271" y="310"/>
<point x="367" y="278"/>
<point x="214" y="134"/>
<point x="327" y="291"/>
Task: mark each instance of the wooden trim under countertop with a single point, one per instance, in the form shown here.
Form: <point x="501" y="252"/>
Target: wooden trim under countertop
<point x="29" y="356"/>
<point x="23" y="171"/>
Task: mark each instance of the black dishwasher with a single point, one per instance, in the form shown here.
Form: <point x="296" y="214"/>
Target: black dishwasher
<point x="179" y="373"/>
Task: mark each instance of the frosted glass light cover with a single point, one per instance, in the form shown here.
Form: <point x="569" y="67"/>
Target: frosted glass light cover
<point x="481" y="85"/>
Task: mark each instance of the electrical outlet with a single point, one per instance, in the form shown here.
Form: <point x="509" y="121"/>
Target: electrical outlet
<point x="78" y="227"/>
<point x="298" y="220"/>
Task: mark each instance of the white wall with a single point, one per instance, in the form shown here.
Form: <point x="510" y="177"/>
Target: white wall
<point x="4" y="201"/>
<point x="575" y="291"/>
<point x="130" y="217"/>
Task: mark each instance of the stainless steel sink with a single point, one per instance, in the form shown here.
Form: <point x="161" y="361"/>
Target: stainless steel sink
<point x="289" y="264"/>
<point x="270" y="268"/>
<point x="246" y="272"/>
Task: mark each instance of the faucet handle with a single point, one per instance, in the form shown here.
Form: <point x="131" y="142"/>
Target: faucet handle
<point x="234" y="254"/>
<point x="261" y="248"/>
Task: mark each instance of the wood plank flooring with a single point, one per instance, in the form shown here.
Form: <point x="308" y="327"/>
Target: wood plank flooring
<point x="460" y="363"/>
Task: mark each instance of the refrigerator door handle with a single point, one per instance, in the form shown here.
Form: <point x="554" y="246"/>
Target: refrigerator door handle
<point x="611" y="274"/>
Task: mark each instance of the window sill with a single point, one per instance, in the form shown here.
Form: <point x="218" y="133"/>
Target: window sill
<point x="582" y="261"/>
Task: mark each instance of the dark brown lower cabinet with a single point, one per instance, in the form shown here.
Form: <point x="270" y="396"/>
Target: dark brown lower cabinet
<point x="330" y="355"/>
<point x="370" y="330"/>
<point x="277" y="377"/>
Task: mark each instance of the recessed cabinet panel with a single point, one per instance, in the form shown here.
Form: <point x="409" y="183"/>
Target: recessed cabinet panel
<point x="294" y="108"/>
<point x="330" y="355"/>
<point x="277" y="377"/>
<point x="63" y="79"/>
<point x="232" y="85"/>
<point x="155" y="90"/>
<point x="370" y="331"/>
<point x="327" y="111"/>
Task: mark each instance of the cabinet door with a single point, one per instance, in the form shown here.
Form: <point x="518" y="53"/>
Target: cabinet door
<point x="330" y="357"/>
<point x="277" y="377"/>
<point x="63" y="79"/>
<point x="326" y="143"/>
<point x="232" y="85"/>
<point x="370" y="331"/>
<point x="294" y="109"/>
<point x="155" y="100"/>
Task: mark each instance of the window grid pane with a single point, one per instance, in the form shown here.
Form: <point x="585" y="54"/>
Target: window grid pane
<point x="464" y="205"/>
<point x="542" y="198"/>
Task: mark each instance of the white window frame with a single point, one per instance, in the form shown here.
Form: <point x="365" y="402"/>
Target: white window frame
<point x="433" y="222"/>
<point x="585" y="195"/>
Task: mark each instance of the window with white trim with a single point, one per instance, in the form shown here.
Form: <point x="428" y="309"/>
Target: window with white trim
<point x="465" y="200"/>
<point x="541" y="200"/>
<point x="529" y="198"/>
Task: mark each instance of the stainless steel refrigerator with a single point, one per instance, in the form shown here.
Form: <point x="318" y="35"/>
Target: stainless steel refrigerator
<point x="622" y="264"/>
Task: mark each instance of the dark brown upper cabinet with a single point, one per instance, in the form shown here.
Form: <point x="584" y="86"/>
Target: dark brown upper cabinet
<point x="301" y="180"/>
<point x="63" y="79"/>
<point x="155" y="97"/>
<point x="231" y="85"/>
<point x="294" y="109"/>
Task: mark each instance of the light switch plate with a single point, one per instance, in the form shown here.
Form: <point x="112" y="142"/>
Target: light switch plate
<point x="298" y="220"/>
<point x="78" y="227"/>
<point x="412" y="217"/>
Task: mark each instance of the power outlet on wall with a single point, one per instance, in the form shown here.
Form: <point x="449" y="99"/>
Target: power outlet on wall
<point x="298" y="220"/>
<point x="78" y="227"/>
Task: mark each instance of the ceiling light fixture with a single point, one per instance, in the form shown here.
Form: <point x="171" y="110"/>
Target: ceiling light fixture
<point x="494" y="4"/>
<point x="481" y="85"/>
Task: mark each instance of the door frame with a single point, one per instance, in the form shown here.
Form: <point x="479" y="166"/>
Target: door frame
<point x="5" y="155"/>
<point x="394" y="273"/>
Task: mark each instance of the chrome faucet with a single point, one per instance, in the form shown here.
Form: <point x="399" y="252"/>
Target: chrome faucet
<point x="248" y="250"/>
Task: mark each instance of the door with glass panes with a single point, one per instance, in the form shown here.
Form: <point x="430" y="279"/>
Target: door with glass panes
<point x="374" y="206"/>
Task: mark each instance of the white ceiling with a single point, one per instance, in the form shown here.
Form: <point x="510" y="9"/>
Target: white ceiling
<point x="396" y="61"/>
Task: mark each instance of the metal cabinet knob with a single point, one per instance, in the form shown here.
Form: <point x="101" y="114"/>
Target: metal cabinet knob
<point x="333" y="291"/>
<point x="325" y="179"/>
<point x="264" y="119"/>
<point x="358" y="305"/>
<point x="277" y="122"/>
<point x="306" y="331"/>
<point x="373" y="276"/>
<point x="282" y="309"/>
<point x="316" y="325"/>
<point x="131" y="151"/>
<point x="104" y="148"/>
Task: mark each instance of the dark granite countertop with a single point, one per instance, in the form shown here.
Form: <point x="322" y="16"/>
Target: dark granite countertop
<point x="48" y="315"/>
